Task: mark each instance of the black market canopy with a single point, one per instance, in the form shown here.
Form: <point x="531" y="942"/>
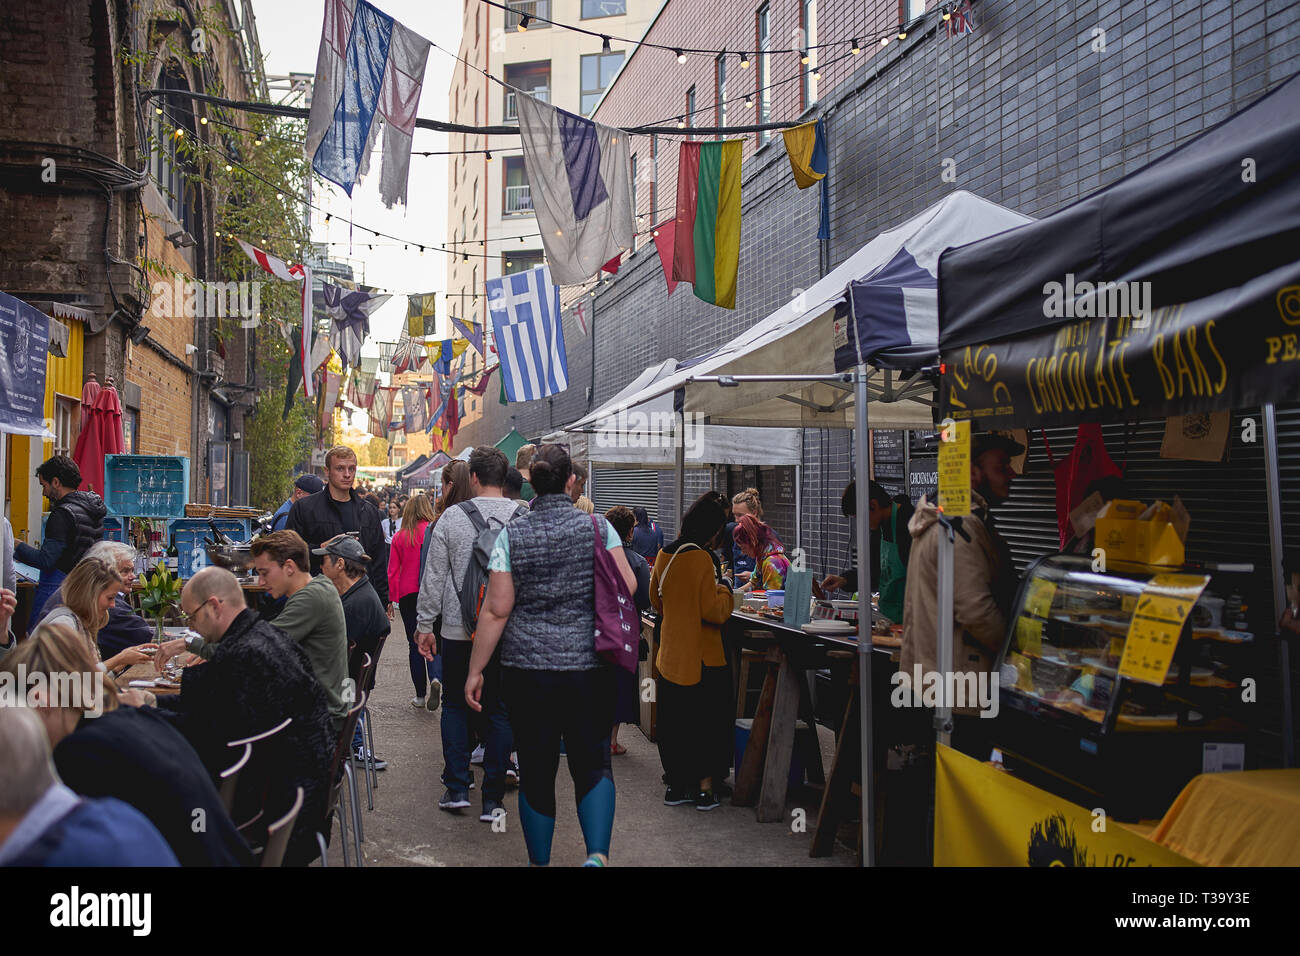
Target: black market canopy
<point x="1174" y="290"/>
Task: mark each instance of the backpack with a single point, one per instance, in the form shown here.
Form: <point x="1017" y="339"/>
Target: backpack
<point x="473" y="586"/>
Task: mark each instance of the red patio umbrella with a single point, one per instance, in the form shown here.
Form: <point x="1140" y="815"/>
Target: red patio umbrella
<point x="101" y="434"/>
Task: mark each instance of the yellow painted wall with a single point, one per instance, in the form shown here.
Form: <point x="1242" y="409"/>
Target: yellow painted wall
<point x="63" y="376"/>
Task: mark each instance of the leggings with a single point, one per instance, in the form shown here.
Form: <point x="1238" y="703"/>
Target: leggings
<point x="421" y="670"/>
<point x="577" y="707"/>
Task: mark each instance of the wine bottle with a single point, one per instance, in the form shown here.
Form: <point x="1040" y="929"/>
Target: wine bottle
<point x="220" y="538"/>
<point x="173" y="557"/>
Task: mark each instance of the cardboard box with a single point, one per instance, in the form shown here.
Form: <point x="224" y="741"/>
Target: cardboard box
<point x="1155" y="535"/>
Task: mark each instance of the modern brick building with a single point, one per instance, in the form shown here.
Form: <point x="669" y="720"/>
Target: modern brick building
<point x="1037" y="107"/>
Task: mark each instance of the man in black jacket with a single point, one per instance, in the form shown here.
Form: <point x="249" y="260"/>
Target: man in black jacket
<point x="76" y="522"/>
<point x="256" y="678"/>
<point x="340" y="510"/>
<point x="344" y="563"/>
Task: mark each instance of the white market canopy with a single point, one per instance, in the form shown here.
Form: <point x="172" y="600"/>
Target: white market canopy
<point x="644" y="436"/>
<point x="800" y="337"/>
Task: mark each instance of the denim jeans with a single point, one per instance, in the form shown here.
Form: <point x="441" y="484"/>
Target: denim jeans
<point x="494" y="726"/>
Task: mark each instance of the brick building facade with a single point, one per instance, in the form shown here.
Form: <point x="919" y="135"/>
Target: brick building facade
<point x="70" y="75"/>
<point x="1034" y="109"/>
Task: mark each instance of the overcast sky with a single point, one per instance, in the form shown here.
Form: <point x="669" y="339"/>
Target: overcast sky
<point x="289" y="33"/>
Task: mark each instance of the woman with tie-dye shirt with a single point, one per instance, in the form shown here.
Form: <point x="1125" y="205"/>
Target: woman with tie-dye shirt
<point x="757" y="540"/>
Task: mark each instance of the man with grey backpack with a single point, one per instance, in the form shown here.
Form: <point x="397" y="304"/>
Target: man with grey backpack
<point x="451" y="586"/>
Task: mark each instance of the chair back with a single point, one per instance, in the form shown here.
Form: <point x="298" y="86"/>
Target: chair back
<point x="258" y="779"/>
<point x="364" y="674"/>
<point x="342" y="751"/>
<point x="369" y="685"/>
<point x="277" y="833"/>
<point x="230" y="778"/>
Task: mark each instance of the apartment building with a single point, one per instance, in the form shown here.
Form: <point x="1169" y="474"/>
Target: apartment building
<point x="490" y="208"/>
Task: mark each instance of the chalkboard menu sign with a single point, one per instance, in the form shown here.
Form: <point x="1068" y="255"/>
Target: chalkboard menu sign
<point x="784" y="476"/>
<point x="924" y="442"/>
<point x="887" y="445"/>
<point x="923" y="479"/>
<point x="889" y="471"/>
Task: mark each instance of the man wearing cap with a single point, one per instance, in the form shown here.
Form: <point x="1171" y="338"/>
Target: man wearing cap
<point x="304" y="485"/>
<point x="983" y="580"/>
<point x="344" y="562"/>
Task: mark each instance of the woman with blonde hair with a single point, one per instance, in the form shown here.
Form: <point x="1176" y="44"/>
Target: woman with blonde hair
<point x="103" y="749"/>
<point x="744" y="503"/>
<point x="404" y="572"/>
<point x="86" y="595"/>
<point x="585" y="504"/>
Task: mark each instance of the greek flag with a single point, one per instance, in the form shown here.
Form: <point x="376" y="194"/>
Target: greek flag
<point x="525" y="311"/>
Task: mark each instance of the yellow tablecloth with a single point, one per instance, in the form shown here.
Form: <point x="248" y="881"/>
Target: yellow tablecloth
<point x="1250" y="818"/>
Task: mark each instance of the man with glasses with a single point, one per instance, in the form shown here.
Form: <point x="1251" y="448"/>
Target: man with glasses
<point x="255" y="677"/>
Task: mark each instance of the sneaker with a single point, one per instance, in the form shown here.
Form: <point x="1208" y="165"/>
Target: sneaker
<point x="361" y="754"/>
<point x="675" y="798"/>
<point x="435" y="695"/>
<point x="512" y="775"/>
<point x="453" y="800"/>
<point x="491" y="810"/>
<point x="477" y="755"/>
<point x="417" y="702"/>
<point x="596" y="859"/>
<point x="705" y="800"/>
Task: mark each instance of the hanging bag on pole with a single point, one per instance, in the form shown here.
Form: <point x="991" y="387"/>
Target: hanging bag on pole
<point x="618" y="630"/>
<point x="1087" y="463"/>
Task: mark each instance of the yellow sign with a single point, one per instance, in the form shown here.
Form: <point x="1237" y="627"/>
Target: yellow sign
<point x="984" y="816"/>
<point x="1162" y="608"/>
<point x="1039" y="597"/>
<point x="954" y="469"/>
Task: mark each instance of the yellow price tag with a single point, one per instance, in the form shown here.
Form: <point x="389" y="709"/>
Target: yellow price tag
<point x="954" y="469"/>
<point x="1039" y="596"/>
<point x="1029" y="636"/>
<point x="1162" y="609"/>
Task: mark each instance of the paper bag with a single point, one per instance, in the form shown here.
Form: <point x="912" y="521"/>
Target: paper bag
<point x="1199" y="437"/>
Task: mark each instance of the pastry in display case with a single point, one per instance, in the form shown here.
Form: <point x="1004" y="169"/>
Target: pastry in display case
<point x="1122" y="685"/>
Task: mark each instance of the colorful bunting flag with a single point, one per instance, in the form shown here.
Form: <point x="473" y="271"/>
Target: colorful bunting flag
<point x="349" y="314"/>
<point x="290" y="273"/>
<point x="612" y="266"/>
<point x="414" y="408"/>
<point x="810" y="161"/>
<point x="441" y="353"/>
<point x="962" y="19"/>
<point x="361" y="388"/>
<point x="472" y="331"/>
<point x="421" y="311"/>
<point x="706" y="246"/>
<point x="663" y="236"/>
<point x="368" y="66"/>
<point x="381" y="411"/>
<point x="479" y="387"/>
<point x="579" y="313"/>
<point x="581" y="181"/>
<point x="525" y="311"/>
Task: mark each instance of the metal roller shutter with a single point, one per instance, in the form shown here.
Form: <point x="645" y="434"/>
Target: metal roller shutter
<point x="610" y="487"/>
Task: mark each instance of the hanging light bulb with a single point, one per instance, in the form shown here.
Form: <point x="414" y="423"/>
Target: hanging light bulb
<point x="681" y="57"/>
<point x="257" y="141"/>
<point x="489" y="155"/>
<point x="604" y="44"/>
<point x="523" y="23"/>
<point x="744" y="61"/>
<point x="804" y="57"/>
<point x="509" y="264"/>
<point x="327" y="217"/>
<point x="422" y="250"/>
<point x="229" y="167"/>
<point x="217" y="233"/>
<point x="856" y="49"/>
<point x="180" y="133"/>
<point x="371" y="246"/>
<point x="656" y="234"/>
<point x="902" y="32"/>
<point x="947" y="13"/>
<point x="884" y="41"/>
<point x="158" y="110"/>
<point x="203" y="120"/>
<point x="749" y="101"/>
<point x="817" y="72"/>
<point x="465" y="257"/>
<point x="681" y="123"/>
<point x="279" y="196"/>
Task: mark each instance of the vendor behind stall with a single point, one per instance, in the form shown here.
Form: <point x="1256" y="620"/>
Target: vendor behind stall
<point x="888" y="518"/>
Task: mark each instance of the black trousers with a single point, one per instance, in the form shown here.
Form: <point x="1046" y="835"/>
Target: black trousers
<point x="696" y="728"/>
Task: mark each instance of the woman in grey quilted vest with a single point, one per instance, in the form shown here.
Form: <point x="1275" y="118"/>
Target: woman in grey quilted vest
<point x="540" y="608"/>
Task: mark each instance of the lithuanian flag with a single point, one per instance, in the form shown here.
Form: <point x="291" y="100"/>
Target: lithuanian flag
<point x="706" y="250"/>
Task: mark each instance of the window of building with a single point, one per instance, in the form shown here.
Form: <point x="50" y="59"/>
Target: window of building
<point x="654" y="180"/>
<point x="66" y="411"/>
<point x="533" y="78"/>
<point x="533" y="8"/>
<point x="809" y="24"/>
<point x="476" y="197"/>
<point x="764" y="70"/>
<point x="473" y="287"/>
<point x="912" y="9"/>
<point x="690" y="110"/>
<point x="521" y="261"/>
<point x="598" y="71"/>
<point x="720" y="83"/>
<point x="168" y="165"/>
<point x="603" y="8"/>
<point x="517" y="197"/>
<point x="636" y="238"/>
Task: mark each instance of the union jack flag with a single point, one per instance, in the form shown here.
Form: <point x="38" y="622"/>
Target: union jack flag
<point x="962" y="20"/>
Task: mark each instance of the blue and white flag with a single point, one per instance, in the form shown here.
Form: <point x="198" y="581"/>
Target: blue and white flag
<point x="525" y="312"/>
<point x="349" y="314"/>
<point x="368" y="65"/>
<point x="581" y="178"/>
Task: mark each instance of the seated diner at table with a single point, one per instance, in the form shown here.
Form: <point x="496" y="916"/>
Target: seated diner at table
<point x="125" y="628"/>
<point x="84" y="600"/>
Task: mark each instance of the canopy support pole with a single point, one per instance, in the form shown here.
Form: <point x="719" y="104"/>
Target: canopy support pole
<point x="863" y="495"/>
<point x="1273" y="478"/>
<point x="679" y="486"/>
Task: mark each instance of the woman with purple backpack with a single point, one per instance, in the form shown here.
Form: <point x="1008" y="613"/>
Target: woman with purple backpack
<point x="540" y="606"/>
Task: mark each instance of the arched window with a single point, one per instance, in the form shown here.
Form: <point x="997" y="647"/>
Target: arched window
<point x="168" y="162"/>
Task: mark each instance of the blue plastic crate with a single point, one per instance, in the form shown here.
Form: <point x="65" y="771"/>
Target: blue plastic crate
<point x="115" y="529"/>
<point x="189" y="534"/>
<point x="146" y="486"/>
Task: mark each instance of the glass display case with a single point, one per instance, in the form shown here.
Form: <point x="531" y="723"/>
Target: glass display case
<point x="1123" y="685"/>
